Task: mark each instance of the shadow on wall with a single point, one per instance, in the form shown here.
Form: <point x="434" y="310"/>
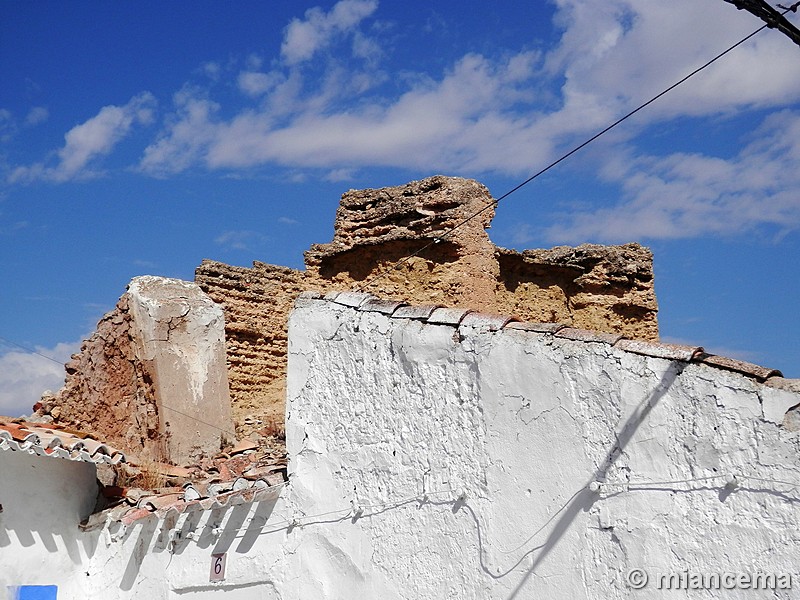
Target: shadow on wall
<point x="39" y="518"/>
<point x="367" y="261"/>
<point x="219" y="527"/>
<point x="583" y="499"/>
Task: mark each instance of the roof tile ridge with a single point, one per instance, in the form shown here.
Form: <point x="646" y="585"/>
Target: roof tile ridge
<point x="437" y="314"/>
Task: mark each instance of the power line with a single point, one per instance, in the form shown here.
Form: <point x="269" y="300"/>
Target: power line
<point x="773" y="19"/>
<point x="163" y="406"/>
<point x="31" y="350"/>
<point x="496" y="201"/>
<point x="577" y="148"/>
<point x="175" y="410"/>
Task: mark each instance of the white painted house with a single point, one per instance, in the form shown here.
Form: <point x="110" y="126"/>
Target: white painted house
<point x="48" y="485"/>
<point x="437" y="453"/>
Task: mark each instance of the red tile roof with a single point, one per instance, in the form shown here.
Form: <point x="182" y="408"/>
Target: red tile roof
<point x="456" y="318"/>
<point x="137" y="504"/>
<point x="56" y="441"/>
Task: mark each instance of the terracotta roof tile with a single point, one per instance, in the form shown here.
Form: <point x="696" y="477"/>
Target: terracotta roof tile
<point x="657" y="350"/>
<point x="740" y="366"/>
<point x="486" y="321"/>
<point x="193" y="497"/>
<point x="154" y="503"/>
<point x="55" y="441"/>
<point x="386" y="307"/>
<point x="130" y="516"/>
<point x="264" y="472"/>
<point x="437" y="314"/>
<point x="536" y="327"/>
<point x="448" y="316"/>
<point x="585" y="335"/>
<point x="422" y="311"/>
<point x="244" y="446"/>
<point x="352" y="299"/>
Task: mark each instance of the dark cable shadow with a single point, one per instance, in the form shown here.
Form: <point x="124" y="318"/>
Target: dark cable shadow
<point x="231" y="528"/>
<point x="256" y="525"/>
<point x="723" y="492"/>
<point x="583" y="499"/>
<point x="146" y="533"/>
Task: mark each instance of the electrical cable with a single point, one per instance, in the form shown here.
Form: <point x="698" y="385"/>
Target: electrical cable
<point x="422" y="498"/>
<point x="646" y="483"/>
<point x="175" y="410"/>
<point x="732" y="480"/>
<point x="577" y="148"/>
<point x="164" y="406"/>
<point x="31" y="350"/>
<point x="496" y="201"/>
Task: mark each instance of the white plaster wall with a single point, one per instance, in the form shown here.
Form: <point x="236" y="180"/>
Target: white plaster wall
<point x="181" y="341"/>
<point x="148" y="560"/>
<point x="381" y="409"/>
<point x="43" y="500"/>
<point x="395" y="419"/>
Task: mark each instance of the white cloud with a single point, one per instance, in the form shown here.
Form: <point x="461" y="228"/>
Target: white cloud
<point x="515" y="112"/>
<point x="509" y="112"/>
<point x="8" y="126"/>
<point x="685" y="195"/>
<point x="11" y="227"/>
<point x="254" y="83"/>
<point x="457" y="122"/>
<point x="522" y="234"/>
<point x="254" y="62"/>
<point x="340" y="175"/>
<point x="619" y="53"/>
<point x="242" y="239"/>
<point x="89" y="140"/>
<point x="212" y="70"/>
<point x="306" y="37"/>
<point x="189" y="132"/>
<point x="25" y="375"/>
<point x="38" y="114"/>
<point x="366" y="48"/>
<point x="145" y="264"/>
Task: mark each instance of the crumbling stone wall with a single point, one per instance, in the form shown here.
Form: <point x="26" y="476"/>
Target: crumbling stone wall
<point x="256" y="303"/>
<point x="605" y="288"/>
<point x="107" y="391"/>
<point x="413" y="242"/>
<point x="152" y="379"/>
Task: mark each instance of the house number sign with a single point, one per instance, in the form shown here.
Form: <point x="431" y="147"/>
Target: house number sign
<point x="217" y="567"/>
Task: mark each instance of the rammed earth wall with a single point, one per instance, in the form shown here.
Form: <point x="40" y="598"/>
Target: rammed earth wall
<point x="153" y="378"/>
<point x="378" y="247"/>
<point x="605" y="288"/>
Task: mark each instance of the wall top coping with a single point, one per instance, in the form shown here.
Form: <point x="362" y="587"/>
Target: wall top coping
<point x="464" y="318"/>
<point x="55" y="441"/>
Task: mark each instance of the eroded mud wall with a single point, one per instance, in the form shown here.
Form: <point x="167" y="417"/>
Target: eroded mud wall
<point x="606" y="288"/>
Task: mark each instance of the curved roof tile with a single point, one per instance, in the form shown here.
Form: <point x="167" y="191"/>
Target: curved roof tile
<point x="56" y="441"/>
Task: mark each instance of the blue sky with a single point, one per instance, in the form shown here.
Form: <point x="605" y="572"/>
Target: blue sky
<point x="141" y="137"/>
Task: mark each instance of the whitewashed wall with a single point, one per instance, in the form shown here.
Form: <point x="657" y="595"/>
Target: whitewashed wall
<point x="43" y="500"/>
<point x="382" y="409"/>
<point x="148" y="560"/>
<point x="429" y="461"/>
